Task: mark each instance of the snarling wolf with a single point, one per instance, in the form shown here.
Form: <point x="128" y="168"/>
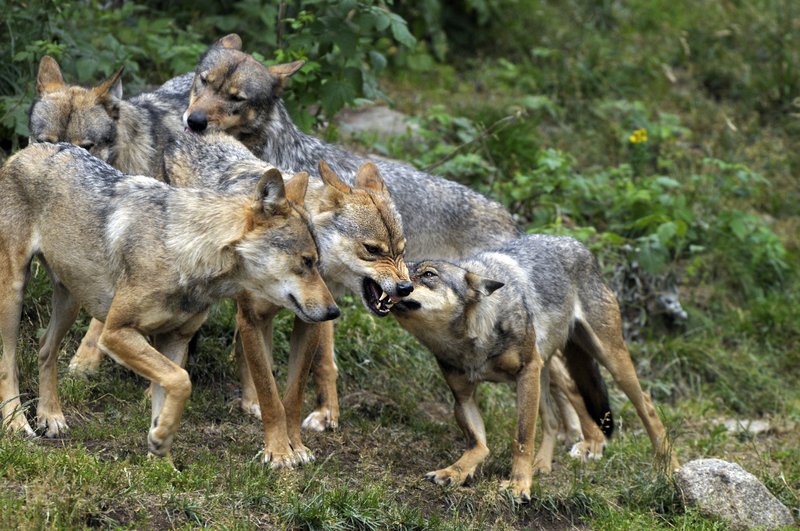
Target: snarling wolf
<point x="148" y="260"/>
<point x="358" y="231"/>
<point x="128" y="134"/>
<point x="501" y="315"/>
<point x="230" y="91"/>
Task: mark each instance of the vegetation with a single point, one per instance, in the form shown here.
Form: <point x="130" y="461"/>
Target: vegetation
<point x="660" y="133"/>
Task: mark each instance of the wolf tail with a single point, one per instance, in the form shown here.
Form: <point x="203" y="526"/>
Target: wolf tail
<point x="585" y="371"/>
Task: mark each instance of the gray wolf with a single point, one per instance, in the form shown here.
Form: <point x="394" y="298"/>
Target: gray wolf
<point x="147" y="259"/>
<point x="501" y="315"/>
<point x="358" y="231"/>
<point x="232" y="92"/>
<point x="128" y="134"/>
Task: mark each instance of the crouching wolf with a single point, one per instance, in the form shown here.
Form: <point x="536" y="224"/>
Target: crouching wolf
<point x="500" y="316"/>
<point x="148" y="260"/>
<point x="361" y="246"/>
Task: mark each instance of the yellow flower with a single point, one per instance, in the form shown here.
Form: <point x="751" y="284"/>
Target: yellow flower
<point x="639" y="136"/>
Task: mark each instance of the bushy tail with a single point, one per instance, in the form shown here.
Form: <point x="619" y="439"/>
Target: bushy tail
<point x="585" y="371"/>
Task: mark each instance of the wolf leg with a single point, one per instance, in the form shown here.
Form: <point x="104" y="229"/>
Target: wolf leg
<point x="249" y="402"/>
<point x="13" y="278"/>
<point x="251" y="319"/>
<point x="528" y="396"/>
<point x="543" y="463"/>
<point x="49" y="416"/>
<point x="88" y="357"/>
<point x="175" y="346"/>
<point x="469" y="420"/>
<point x="326" y="414"/>
<point x="589" y="441"/>
<point x="131" y="349"/>
<point x="302" y="347"/>
<point x="608" y="346"/>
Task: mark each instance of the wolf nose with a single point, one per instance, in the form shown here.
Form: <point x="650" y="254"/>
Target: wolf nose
<point x="197" y="121"/>
<point x="404" y="288"/>
<point x="332" y="313"/>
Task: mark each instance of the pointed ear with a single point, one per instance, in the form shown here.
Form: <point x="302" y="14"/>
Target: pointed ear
<point x="330" y="178"/>
<point x="49" y="78"/>
<point x="111" y="86"/>
<point x="269" y="192"/>
<point x="283" y="71"/>
<point x="369" y="178"/>
<point x="231" y="41"/>
<point x="481" y="286"/>
<point x="296" y="188"/>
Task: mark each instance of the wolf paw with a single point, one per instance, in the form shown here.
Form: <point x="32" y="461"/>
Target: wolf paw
<point x="543" y="467"/>
<point x="302" y="455"/>
<point x="585" y="451"/>
<point x="251" y="407"/>
<point x="158" y="445"/>
<point x="447" y="476"/>
<point x="521" y="491"/>
<point x="320" y="420"/>
<point x="52" y="425"/>
<point x="19" y="424"/>
<point x="86" y="361"/>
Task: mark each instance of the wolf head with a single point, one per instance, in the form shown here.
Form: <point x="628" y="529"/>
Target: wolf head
<point x="362" y="240"/>
<point x="446" y="305"/>
<point x="86" y="117"/>
<point x="231" y="89"/>
<point x="278" y="250"/>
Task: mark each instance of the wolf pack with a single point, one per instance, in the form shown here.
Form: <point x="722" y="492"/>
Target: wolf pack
<point x="146" y="211"/>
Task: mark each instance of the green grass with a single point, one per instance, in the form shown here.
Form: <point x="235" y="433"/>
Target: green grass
<point x="711" y="200"/>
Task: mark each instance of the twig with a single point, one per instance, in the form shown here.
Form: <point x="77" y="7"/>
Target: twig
<point x="279" y="24"/>
<point x="499" y="124"/>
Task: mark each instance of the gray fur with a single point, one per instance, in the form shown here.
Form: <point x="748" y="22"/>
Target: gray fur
<point x="442" y="218"/>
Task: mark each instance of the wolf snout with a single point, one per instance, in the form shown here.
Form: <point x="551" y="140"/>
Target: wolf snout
<point x="404" y="288"/>
<point x="332" y="312"/>
<point x="197" y="121"/>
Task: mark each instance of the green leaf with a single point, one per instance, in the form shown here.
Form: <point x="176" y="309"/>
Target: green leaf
<point x="666" y="231"/>
<point x="400" y="31"/>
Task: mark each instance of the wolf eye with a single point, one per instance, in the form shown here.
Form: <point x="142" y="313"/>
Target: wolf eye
<point x="372" y="249"/>
<point x="308" y="262"/>
<point x="238" y="98"/>
<point x="429" y="274"/>
<point x="87" y="145"/>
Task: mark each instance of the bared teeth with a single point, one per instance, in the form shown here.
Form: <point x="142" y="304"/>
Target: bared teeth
<point x="383" y="295"/>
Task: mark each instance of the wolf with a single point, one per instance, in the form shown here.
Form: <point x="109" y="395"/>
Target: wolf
<point x="501" y="315"/>
<point x="232" y="92"/>
<point x="147" y="259"/>
<point x="358" y="231"/>
<point x="128" y="134"/>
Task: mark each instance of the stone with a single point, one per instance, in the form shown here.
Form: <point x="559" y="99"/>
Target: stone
<point x="726" y="491"/>
<point x="377" y="119"/>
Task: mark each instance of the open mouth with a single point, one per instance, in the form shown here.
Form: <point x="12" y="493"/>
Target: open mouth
<point x="378" y="301"/>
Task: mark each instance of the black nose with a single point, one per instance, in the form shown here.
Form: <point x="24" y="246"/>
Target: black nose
<point x="404" y="288"/>
<point x="197" y="121"/>
<point x="332" y="313"/>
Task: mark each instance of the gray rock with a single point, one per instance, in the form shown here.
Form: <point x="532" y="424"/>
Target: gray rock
<point x="377" y="119"/>
<point x="728" y="492"/>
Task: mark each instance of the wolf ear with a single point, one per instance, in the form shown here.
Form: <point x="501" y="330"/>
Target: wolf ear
<point x="330" y="178"/>
<point x="296" y="188"/>
<point x="481" y="286"/>
<point x="269" y="192"/>
<point x="111" y="86"/>
<point x="49" y="78"/>
<point x="285" y="70"/>
<point x="231" y="41"/>
<point x="369" y="178"/>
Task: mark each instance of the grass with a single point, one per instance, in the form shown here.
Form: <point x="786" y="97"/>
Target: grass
<point x="720" y="150"/>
